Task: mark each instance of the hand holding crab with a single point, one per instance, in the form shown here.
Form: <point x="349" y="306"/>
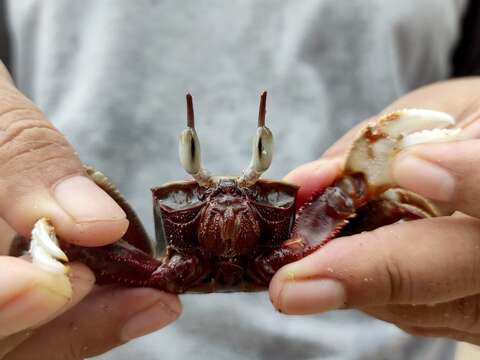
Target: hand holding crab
<point x="227" y="256"/>
<point x="40" y="175"/>
<point x="424" y="275"/>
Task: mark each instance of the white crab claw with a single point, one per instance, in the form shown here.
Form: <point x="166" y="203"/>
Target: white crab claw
<point x="430" y="136"/>
<point x="44" y="248"/>
<point x="373" y="152"/>
<point x="407" y="121"/>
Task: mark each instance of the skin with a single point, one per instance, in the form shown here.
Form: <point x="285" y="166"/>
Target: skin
<point x="422" y="276"/>
<point x="57" y="316"/>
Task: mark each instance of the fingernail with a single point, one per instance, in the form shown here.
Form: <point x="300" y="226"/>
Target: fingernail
<point x="154" y="317"/>
<point x="424" y="177"/>
<point x="85" y="201"/>
<point x="311" y="296"/>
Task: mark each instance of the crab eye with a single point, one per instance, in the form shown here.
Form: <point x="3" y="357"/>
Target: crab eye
<point x="262" y="149"/>
<point x="189" y="149"/>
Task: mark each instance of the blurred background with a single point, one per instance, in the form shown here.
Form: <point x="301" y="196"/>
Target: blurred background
<point x="112" y="76"/>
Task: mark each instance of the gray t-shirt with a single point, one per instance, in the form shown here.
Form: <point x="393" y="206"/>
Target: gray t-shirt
<point x="112" y="75"/>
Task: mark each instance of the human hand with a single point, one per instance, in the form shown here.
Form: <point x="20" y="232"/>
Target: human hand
<point x="45" y="315"/>
<point x="423" y="275"/>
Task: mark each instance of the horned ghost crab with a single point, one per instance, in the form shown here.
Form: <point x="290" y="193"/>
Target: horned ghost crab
<point x="232" y="233"/>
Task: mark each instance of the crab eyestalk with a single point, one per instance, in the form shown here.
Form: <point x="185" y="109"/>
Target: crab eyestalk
<point x="189" y="149"/>
<point x="262" y="149"/>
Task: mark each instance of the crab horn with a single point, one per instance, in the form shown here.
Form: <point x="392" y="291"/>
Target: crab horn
<point x="189" y="149"/>
<point x="262" y="149"/>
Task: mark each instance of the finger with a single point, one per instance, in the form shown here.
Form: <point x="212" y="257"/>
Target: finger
<point x="81" y="279"/>
<point x="463" y="106"/>
<point x="105" y="319"/>
<point x="470" y="122"/>
<point x="342" y="145"/>
<point x="447" y="173"/>
<point x="455" y="96"/>
<point x="461" y="314"/>
<point x="4" y="75"/>
<point x="419" y="262"/>
<point x="314" y="176"/>
<point x="6" y="237"/>
<point x="443" y="333"/>
<point x="41" y="176"/>
<point x="30" y="296"/>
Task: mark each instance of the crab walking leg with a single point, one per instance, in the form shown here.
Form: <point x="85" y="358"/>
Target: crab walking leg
<point x="121" y="263"/>
<point x="392" y="206"/>
<point x="318" y="221"/>
<point x="262" y="149"/>
<point x="366" y="179"/>
<point x="189" y="149"/>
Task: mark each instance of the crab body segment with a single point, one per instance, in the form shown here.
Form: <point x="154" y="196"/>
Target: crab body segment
<point x="234" y="233"/>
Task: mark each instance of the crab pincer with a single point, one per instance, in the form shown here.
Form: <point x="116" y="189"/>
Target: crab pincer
<point x="364" y="196"/>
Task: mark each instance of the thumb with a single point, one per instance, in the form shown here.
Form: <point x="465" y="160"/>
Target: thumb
<point x="314" y="176"/>
<point x="447" y="173"/>
<point x="41" y="176"/>
<point x="30" y="296"/>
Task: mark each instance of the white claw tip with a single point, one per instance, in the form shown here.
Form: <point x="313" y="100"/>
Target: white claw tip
<point x="407" y="121"/>
<point x="45" y="250"/>
<point x="429" y="115"/>
<point x="430" y="136"/>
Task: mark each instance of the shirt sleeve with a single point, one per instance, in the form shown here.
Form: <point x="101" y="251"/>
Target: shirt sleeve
<point x="466" y="57"/>
<point x="4" y="38"/>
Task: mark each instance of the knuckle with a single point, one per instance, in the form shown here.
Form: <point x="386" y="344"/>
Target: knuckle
<point x="400" y="284"/>
<point x="74" y="352"/>
<point x="468" y="313"/>
<point x="30" y="144"/>
<point x="14" y="121"/>
<point x="30" y="138"/>
<point x="18" y="125"/>
<point x="397" y="278"/>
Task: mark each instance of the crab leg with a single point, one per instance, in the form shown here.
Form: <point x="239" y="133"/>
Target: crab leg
<point x="118" y="263"/>
<point x="366" y="177"/>
<point x="318" y="221"/>
<point x="121" y="263"/>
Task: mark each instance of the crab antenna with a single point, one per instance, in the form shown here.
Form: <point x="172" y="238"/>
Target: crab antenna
<point x="262" y="148"/>
<point x="189" y="149"/>
<point x="262" y="109"/>
<point x="190" y="113"/>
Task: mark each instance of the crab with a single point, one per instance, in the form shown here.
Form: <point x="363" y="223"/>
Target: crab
<point x="232" y="233"/>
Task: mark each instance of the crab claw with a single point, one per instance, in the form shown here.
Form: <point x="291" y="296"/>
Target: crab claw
<point x="373" y="152"/>
<point x="45" y="250"/>
<point x="364" y="197"/>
